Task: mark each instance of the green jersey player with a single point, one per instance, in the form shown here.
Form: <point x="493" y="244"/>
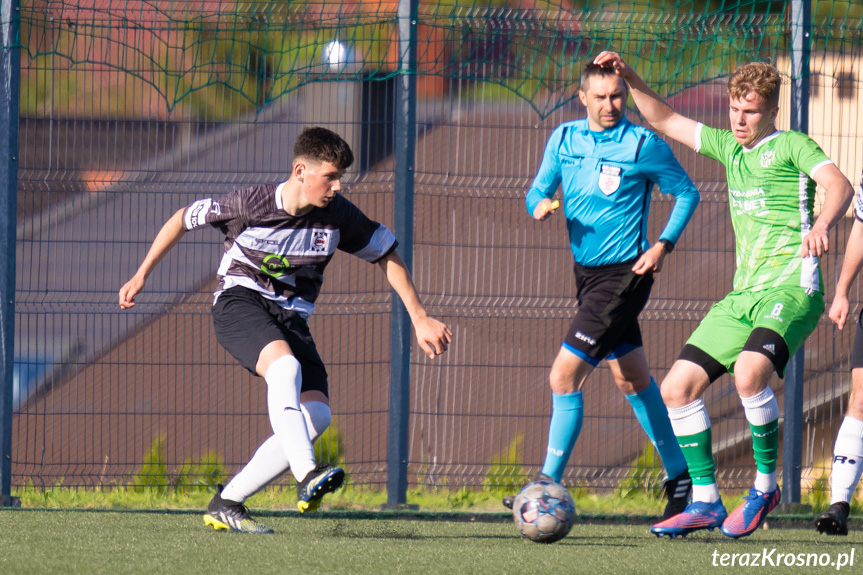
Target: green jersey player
<point x="778" y="293"/>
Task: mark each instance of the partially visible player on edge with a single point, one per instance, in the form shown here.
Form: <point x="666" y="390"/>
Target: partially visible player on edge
<point x="848" y="449"/>
<point x="778" y="293"/>
<point x="607" y="167"/>
<point x="278" y="239"/>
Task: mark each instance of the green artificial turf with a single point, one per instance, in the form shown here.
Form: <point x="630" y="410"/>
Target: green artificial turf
<point x="75" y="541"/>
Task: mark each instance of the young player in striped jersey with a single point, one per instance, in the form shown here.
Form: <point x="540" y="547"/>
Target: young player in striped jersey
<point x="778" y="294"/>
<point x="278" y="240"/>
<point x="848" y="449"/>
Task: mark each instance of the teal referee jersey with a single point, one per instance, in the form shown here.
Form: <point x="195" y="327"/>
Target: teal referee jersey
<point x="607" y="178"/>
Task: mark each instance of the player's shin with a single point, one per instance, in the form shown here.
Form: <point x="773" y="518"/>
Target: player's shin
<point x="847" y="460"/>
<point x="691" y="425"/>
<point x="762" y="413"/>
<point x="566" y="419"/>
<point x="284" y="381"/>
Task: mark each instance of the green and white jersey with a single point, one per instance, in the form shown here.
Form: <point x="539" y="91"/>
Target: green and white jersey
<point x="771" y="195"/>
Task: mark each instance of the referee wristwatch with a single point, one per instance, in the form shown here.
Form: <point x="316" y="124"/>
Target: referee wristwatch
<point x="667" y="245"/>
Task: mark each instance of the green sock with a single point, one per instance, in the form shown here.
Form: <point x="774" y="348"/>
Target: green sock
<point x="698" y="452"/>
<point x="765" y="445"/>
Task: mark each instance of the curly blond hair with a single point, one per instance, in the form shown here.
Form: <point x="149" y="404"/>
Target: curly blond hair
<point x="758" y="77"/>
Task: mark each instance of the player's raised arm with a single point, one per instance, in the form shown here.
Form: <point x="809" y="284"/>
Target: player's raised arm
<point x="432" y="335"/>
<point x="167" y="238"/>
<point x="655" y="110"/>
<point x="837" y="198"/>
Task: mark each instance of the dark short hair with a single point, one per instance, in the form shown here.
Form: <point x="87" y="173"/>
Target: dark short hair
<point x="591" y="70"/>
<point x="322" y="145"/>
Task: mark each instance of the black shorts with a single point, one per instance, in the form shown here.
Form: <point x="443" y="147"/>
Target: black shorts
<point x="857" y="352"/>
<point x="606" y="319"/>
<point x="246" y="322"/>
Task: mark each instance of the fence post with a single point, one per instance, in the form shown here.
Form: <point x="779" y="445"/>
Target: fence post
<point x="10" y="89"/>
<point x="792" y="440"/>
<point x="405" y="137"/>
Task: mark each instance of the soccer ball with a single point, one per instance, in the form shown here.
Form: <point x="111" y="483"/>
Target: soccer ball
<point x="543" y="511"/>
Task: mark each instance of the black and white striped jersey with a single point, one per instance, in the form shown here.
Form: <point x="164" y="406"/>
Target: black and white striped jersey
<point x="283" y="256"/>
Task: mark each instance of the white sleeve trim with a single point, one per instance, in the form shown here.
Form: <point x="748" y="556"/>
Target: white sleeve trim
<point x="818" y="167"/>
<point x="698" y="127"/>
<point x="195" y="215"/>
<point x="381" y="242"/>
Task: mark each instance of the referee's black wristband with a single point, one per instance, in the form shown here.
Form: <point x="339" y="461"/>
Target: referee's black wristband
<point x="667" y="245"/>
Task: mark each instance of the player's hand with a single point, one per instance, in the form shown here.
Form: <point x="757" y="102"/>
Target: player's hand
<point x="128" y="292"/>
<point x="650" y="261"/>
<point x="614" y="61"/>
<point x="544" y="209"/>
<point x="839" y="310"/>
<point x="815" y="242"/>
<point x="433" y="336"/>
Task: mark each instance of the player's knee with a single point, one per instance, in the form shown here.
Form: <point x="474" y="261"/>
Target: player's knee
<point x="745" y="386"/>
<point x="670" y="395"/>
<point x="632" y="383"/>
<point x="562" y="382"/>
<point x="749" y="383"/>
<point x="675" y="393"/>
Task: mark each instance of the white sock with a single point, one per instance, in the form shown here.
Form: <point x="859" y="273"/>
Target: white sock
<point x="270" y="461"/>
<point x="706" y="493"/>
<point x="318" y="418"/>
<point x="847" y="459"/>
<point x="284" y="381"/>
<point x="690" y="419"/>
<point x="761" y="408"/>
<point x="765" y="482"/>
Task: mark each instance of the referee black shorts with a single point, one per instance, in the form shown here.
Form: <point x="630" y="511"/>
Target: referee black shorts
<point x="606" y="319"/>
<point x="246" y="322"/>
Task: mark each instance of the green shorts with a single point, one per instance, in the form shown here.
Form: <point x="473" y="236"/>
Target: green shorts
<point x="749" y="320"/>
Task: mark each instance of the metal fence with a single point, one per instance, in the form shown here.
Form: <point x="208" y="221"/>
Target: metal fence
<point x="129" y="112"/>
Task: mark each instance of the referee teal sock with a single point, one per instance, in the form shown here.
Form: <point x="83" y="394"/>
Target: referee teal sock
<point x="652" y="414"/>
<point x="567" y="414"/>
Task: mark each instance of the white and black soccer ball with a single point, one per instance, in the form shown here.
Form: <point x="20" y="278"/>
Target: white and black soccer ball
<point x="543" y="511"/>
